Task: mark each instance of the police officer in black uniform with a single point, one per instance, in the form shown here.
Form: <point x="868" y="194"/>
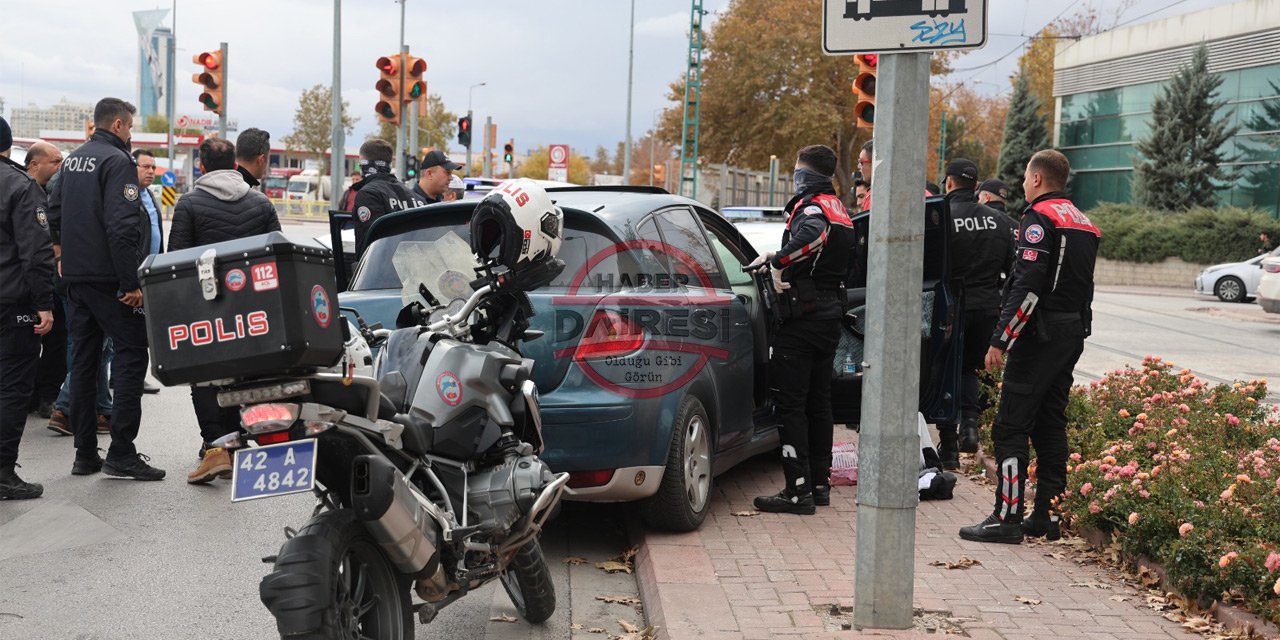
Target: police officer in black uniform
<point x="981" y="253"/>
<point x="435" y="173"/>
<point x="1045" y="318"/>
<point x="26" y="307"/>
<point x="808" y="275"/>
<point x="994" y="194"/>
<point x="106" y="233"/>
<point x="378" y="192"/>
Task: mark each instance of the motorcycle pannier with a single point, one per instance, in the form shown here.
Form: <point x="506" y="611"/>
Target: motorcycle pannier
<point x="242" y="308"/>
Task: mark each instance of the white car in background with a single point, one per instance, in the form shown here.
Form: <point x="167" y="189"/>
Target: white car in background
<point x="1269" y="284"/>
<point x="1233" y="282"/>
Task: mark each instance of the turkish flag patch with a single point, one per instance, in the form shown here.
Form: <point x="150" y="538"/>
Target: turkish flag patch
<point x="1030" y="255"/>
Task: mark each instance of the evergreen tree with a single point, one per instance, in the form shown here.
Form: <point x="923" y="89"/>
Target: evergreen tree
<point x="1024" y="134"/>
<point x="1180" y="163"/>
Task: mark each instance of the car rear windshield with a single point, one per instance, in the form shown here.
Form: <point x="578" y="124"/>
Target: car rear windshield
<point x="585" y="250"/>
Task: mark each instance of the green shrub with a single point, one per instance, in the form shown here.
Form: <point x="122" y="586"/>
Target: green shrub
<point x="1201" y="236"/>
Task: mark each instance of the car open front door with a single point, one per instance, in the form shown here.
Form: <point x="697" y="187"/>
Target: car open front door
<point x="939" y="327"/>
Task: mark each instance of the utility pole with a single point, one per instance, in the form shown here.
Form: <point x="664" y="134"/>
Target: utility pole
<point x="171" y="58"/>
<point x="486" y="154"/>
<point x="470" y="123"/>
<point x="226" y="80"/>
<point x="942" y="153"/>
<point x="631" y="63"/>
<point x="337" y="152"/>
<point x="413" y="128"/>
<point x="773" y="177"/>
<point x="889" y="444"/>
<point x="404" y="52"/>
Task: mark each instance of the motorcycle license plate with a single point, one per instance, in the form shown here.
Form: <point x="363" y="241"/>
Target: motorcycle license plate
<point x="274" y="470"/>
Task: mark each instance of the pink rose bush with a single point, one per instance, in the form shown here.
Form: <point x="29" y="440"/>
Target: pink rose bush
<point x="1185" y="472"/>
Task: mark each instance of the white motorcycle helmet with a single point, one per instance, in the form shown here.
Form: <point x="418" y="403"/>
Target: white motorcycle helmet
<point x="517" y="226"/>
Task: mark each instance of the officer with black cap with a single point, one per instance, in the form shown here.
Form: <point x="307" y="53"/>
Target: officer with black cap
<point x="436" y="171"/>
<point x="994" y="194"/>
<point x="26" y="307"/>
<point x="378" y="192"/>
<point x="981" y="253"/>
<point x="808" y="276"/>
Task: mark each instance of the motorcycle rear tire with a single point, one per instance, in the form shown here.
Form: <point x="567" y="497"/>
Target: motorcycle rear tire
<point x="359" y="575"/>
<point x="528" y="584"/>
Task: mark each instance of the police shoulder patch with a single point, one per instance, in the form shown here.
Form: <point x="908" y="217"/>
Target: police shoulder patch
<point x="1034" y="234"/>
<point x="813" y="210"/>
<point x="131" y="192"/>
<point x="42" y="217"/>
<point x="363" y="213"/>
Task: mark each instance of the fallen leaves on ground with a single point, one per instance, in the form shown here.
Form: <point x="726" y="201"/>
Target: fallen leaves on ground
<point x="577" y="626"/>
<point x="963" y="563"/>
<point x="620" y="563"/>
<point x="1090" y="585"/>
<point x="575" y="560"/>
<point x="745" y="514"/>
<point x="1025" y="600"/>
<point x="632" y="632"/>
<point x="597" y="630"/>
<point x="628" y="600"/>
<point x="504" y="618"/>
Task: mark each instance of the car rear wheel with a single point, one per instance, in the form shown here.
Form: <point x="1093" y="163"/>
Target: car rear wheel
<point x="1229" y="289"/>
<point x="682" y="498"/>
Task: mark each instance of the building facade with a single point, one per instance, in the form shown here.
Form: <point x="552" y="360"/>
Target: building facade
<point x="30" y="121"/>
<point x="155" y="62"/>
<point x="1104" y="86"/>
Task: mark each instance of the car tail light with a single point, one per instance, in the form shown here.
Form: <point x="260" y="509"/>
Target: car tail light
<point x="267" y="418"/>
<point x="1271" y="267"/>
<point x="609" y="334"/>
<point x="583" y="479"/>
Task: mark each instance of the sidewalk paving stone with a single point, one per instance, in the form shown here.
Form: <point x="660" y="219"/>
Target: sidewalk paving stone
<point x="747" y="577"/>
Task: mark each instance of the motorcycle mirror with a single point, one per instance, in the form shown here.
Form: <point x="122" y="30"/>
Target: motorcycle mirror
<point x="375" y="326"/>
<point x="410" y="315"/>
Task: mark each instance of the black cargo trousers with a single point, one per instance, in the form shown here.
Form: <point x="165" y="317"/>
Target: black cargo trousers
<point x="19" y="351"/>
<point x="97" y="313"/>
<point x="800" y="374"/>
<point x="1033" y="402"/>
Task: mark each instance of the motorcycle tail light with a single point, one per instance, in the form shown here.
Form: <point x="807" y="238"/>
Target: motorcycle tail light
<point x="583" y="479"/>
<point x="267" y="418"/>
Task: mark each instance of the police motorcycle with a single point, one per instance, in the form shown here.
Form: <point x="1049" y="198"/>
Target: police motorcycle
<point x="426" y="471"/>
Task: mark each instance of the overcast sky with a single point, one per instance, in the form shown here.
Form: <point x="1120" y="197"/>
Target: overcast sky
<point x="556" y="69"/>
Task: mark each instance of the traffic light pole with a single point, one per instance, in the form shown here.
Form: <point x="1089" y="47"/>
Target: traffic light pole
<point x="889" y="444"/>
<point x="400" y="126"/>
<point x="469" y="124"/>
<point x="222" y="117"/>
<point x="337" y="152"/>
<point x="413" y="129"/>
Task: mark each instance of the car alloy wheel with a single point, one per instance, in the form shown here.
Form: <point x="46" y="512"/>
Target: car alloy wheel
<point x="697" y="462"/>
<point x="1229" y="289"/>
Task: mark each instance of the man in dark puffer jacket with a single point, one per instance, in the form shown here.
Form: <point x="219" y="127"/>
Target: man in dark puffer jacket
<point x="221" y="207"/>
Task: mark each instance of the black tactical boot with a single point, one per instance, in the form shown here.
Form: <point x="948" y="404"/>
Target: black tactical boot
<point x="948" y="447"/>
<point x="135" y="467"/>
<point x="1042" y="524"/>
<point x="821" y="495"/>
<point x="1004" y="525"/>
<point x="969" y="435"/>
<point x="86" y="464"/>
<point x="796" y="497"/>
<point x="14" y="488"/>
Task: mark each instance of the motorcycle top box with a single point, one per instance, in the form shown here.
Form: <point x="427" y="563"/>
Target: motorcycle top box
<point x="241" y="309"/>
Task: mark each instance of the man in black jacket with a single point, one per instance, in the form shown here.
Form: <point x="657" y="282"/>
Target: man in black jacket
<point x="436" y="172"/>
<point x="1044" y="319"/>
<point x="26" y="307"/>
<point x="220" y="207"/>
<point x="105" y="236"/>
<point x="253" y="150"/>
<point x="378" y="192"/>
<point x="994" y="194"/>
<point x="808" y="276"/>
<point x="981" y="253"/>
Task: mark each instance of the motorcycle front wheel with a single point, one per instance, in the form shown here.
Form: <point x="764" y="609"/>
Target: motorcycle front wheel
<point x="528" y="583"/>
<point x="365" y="597"/>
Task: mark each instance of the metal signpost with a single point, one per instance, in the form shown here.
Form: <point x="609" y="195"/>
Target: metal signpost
<point x="889" y="450"/>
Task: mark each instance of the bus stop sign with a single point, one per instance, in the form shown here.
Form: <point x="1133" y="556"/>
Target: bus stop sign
<point x="901" y="26"/>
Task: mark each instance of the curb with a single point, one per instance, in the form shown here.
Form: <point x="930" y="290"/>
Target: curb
<point x="679" y="590"/>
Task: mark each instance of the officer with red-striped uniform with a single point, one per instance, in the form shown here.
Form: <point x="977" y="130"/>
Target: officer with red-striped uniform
<point x="808" y="276"/>
<point x="1044" y="320"/>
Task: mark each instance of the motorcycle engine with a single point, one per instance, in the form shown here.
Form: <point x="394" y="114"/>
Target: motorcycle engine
<point x="499" y="496"/>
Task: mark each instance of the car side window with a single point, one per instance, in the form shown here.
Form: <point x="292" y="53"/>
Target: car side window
<point x="685" y="236"/>
<point x="731" y="257"/>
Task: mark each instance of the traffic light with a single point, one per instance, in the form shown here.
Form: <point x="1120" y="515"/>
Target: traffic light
<point x="411" y="165"/>
<point x="508" y="152"/>
<point x="211" y="78"/>
<point x="464" y="131"/>
<point x="864" y="87"/>
<point x="388" y="86"/>
<point x="414" y="86"/>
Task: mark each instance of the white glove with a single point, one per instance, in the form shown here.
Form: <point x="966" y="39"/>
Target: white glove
<point x="778" y="284"/>
<point x="760" y="260"/>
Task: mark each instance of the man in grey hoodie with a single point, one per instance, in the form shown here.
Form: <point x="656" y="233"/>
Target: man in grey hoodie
<point x="221" y="207"/>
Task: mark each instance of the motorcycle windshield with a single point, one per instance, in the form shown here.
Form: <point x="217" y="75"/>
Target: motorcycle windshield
<point x="445" y="265"/>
